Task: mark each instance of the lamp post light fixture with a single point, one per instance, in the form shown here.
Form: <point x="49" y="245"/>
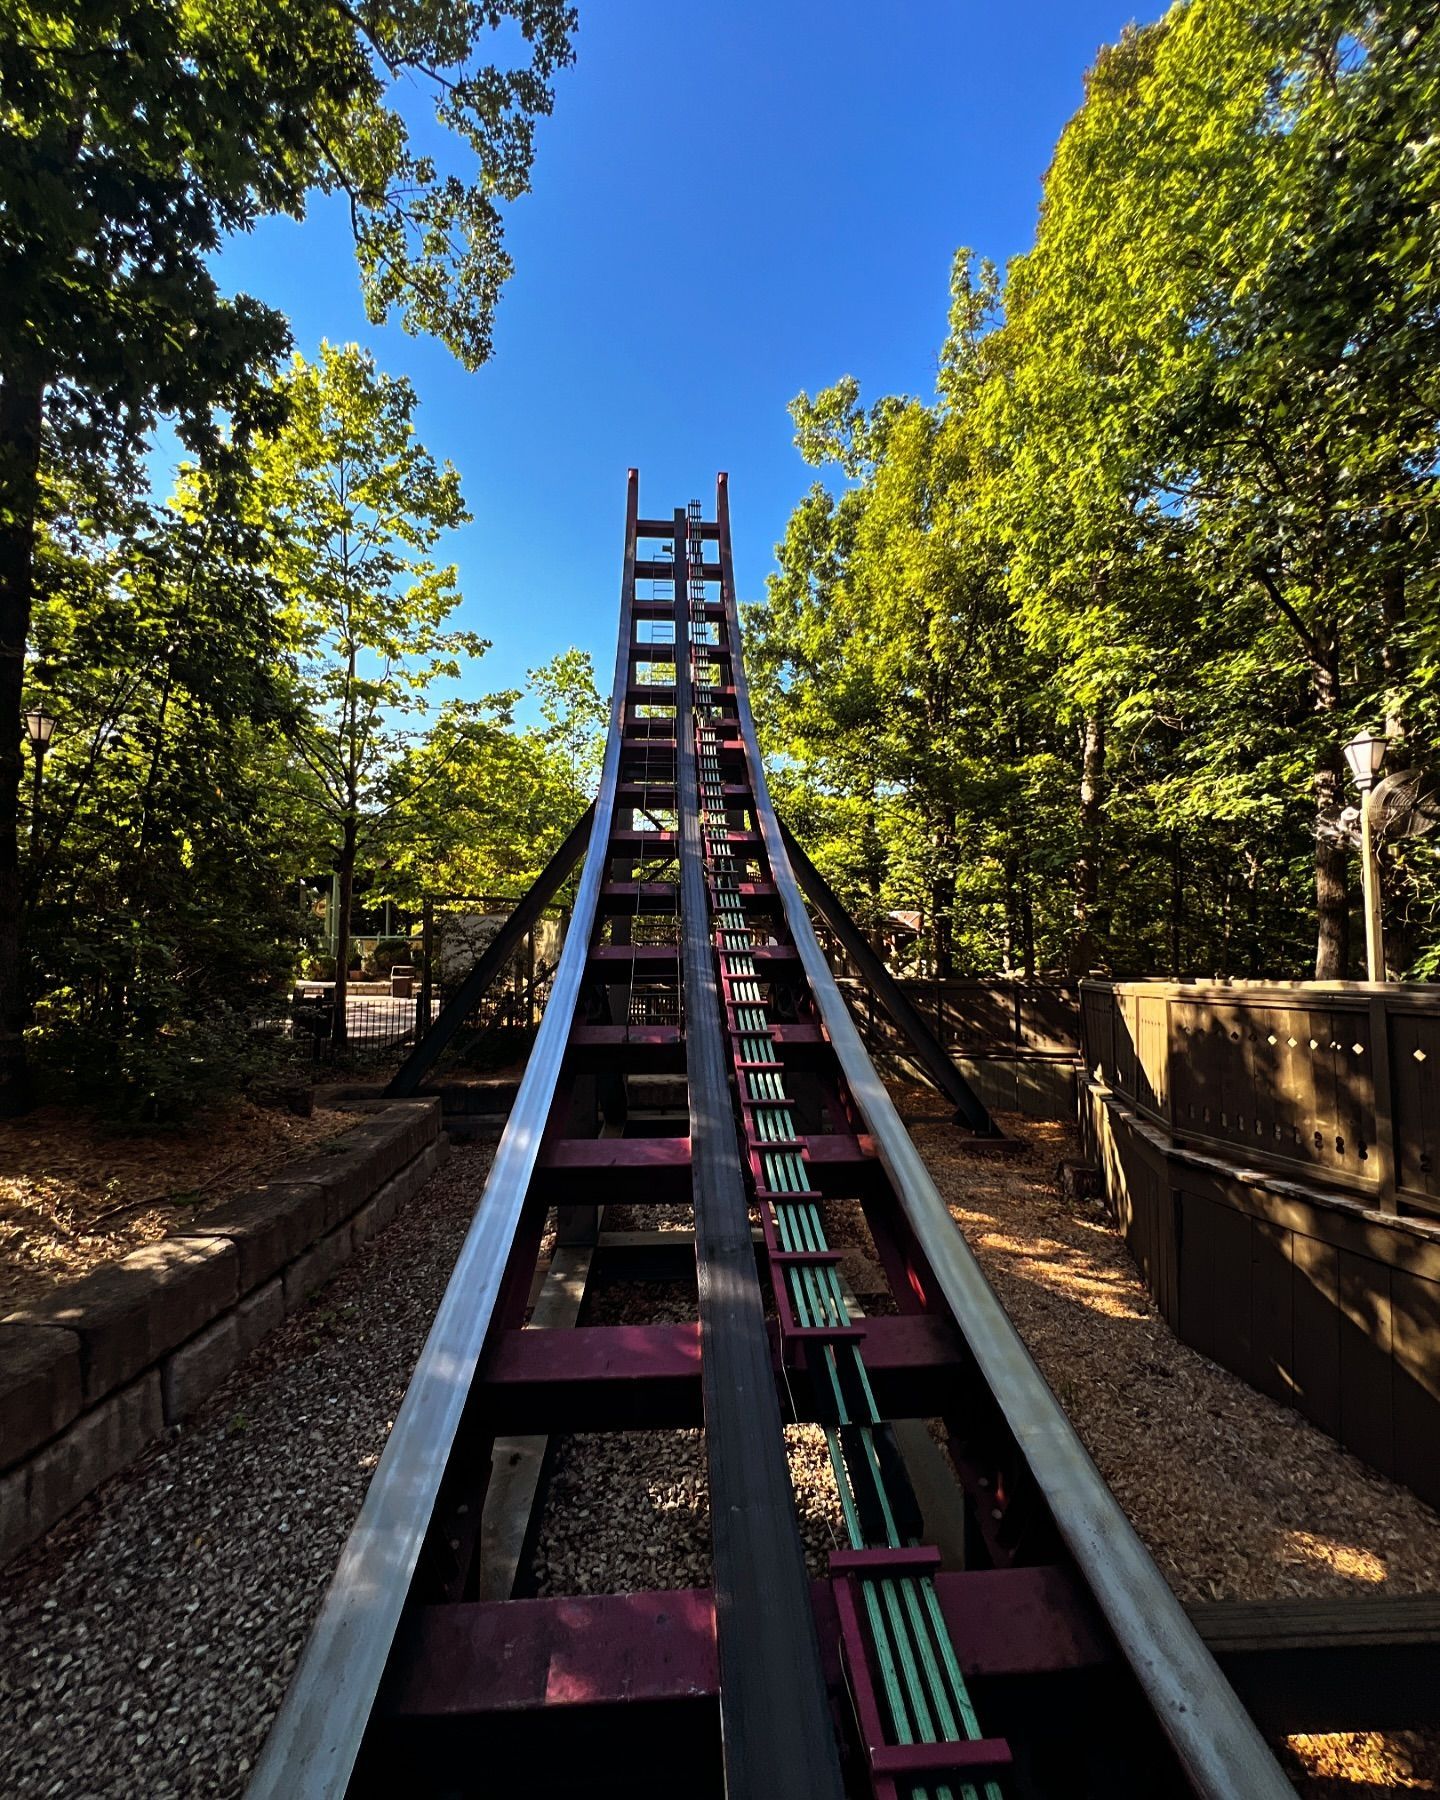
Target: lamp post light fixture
<point x="39" y="728"/>
<point x="1365" y="753"/>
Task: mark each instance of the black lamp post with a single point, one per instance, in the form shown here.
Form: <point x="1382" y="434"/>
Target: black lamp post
<point x="39" y="728"/>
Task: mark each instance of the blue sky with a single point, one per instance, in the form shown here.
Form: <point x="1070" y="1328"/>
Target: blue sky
<point x="731" y="203"/>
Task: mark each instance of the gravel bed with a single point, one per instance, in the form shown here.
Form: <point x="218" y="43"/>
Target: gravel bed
<point x="641" y="1303"/>
<point x="649" y="1218"/>
<point x="628" y="1511"/>
<point x="1236" y="1496"/>
<point x="146" y="1643"/>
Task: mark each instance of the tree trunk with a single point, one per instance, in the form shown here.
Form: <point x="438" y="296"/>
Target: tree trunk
<point x="1332" y="883"/>
<point x="942" y="895"/>
<point x="22" y="398"/>
<point x="1177" y="905"/>
<point x="1087" y="944"/>
<point x="1332" y="886"/>
<point x="345" y="869"/>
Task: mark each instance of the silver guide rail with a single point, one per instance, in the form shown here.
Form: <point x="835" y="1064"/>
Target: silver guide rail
<point x="1217" y="1742"/>
<point x="316" y="1738"/>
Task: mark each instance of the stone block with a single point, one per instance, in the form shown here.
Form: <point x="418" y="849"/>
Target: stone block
<point x="40" y="1386"/>
<point x="316" y="1266"/>
<point x="129" y="1313"/>
<point x="191" y="1373"/>
<point x="259" y="1313"/>
<point x="376" y="1214"/>
<point x="350" y="1168"/>
<point x="343" y="1173"/>
<point x="99" y="1444"/>
<point x="14" y="1511"/>
<point x="269" y="1226"/>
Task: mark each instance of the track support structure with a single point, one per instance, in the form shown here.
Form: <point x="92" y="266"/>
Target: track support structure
<point x="429" y="1048"/>
<point x="970" y="1109"/>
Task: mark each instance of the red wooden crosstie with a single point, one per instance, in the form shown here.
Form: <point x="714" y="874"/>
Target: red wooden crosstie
<point x="690" y="958"/>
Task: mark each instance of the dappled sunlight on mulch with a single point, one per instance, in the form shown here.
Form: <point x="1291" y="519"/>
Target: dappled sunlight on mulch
<point x="1236" y="1496"/>
<point x="76" y="1193"/>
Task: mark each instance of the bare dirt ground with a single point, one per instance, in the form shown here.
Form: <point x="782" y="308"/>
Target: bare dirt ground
<point x="1237" y="1497"/>
<point x="75" y="1193"/>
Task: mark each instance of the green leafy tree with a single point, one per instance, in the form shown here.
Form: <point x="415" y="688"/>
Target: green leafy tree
<point x="360" y="504"/>
<point x="1225" y="394"/>
<point x="576" y="716"/>
<point x="162" y="893"/>
<point x="140" y="132"/>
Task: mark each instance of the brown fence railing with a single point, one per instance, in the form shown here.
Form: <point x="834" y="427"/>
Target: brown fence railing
<point x="1331" y="1081"/>
<point x="1016" y="1042"/>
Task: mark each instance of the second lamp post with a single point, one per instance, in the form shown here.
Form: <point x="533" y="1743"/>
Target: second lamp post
<point x="1365" y="754"/>
<point x="39" y="728"/>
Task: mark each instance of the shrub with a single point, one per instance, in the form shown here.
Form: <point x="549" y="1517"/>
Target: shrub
<point x="389" y="951"/>
<point x="152" y="1076"/>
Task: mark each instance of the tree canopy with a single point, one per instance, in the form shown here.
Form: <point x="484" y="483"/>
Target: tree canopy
<point x="1157" y="546"/>
<point x="139" y="133"/>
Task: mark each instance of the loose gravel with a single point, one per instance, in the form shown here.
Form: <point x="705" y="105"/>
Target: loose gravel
<point x="1236" y="1496"/>
<point x="146" y="1644"/>
<point x="629" y="1511"/>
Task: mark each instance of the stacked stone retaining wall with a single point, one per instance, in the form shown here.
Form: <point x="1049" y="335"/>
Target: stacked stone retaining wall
<point x="97" y="1370"/>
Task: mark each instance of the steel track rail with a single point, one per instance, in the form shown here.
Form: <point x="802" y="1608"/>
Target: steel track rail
<point x="1216" y="1742"/>
<point x="775" y="1726"/>
<point x="316" y="1738"/>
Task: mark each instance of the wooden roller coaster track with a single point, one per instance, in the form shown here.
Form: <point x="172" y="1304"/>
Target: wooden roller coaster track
<point x="1054" y="1661"/>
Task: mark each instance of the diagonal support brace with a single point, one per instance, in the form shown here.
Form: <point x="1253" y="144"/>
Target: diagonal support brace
<point x="970" y="1110"/>
<point x="418" y="1064"/>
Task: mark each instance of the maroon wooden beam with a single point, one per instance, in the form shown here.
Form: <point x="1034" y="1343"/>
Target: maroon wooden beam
<point x="617" y="962"/>
<point x="484" y="1658"/>
<point x="640" y="896"/>
<point x="622" y="1377"/>
<point x="647" y="840"/>
<point x="658" y="1169"/>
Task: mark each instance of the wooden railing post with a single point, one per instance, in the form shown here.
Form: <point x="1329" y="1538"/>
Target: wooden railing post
<point x="1384" y="1146"/>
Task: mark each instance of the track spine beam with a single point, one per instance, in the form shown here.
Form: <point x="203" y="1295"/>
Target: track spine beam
<point x="776" y="1734"/>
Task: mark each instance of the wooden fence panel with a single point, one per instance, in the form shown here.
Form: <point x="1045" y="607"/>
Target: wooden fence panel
<point x="1317" y="1331"/>
<point x="1272" y="1311"/>
<point x="1415" y="1328"/>
<point x="1294" y="1076"/>
<point x="1367" y="1410"/>
<point x="1415" y="1078"/>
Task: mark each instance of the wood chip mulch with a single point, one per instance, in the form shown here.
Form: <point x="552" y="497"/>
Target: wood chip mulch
<point x="1237" y="1497"/>
<point x="75" y="1193"/>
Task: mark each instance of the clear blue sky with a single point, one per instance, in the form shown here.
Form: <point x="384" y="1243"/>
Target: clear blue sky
<point x="731" y="203"/>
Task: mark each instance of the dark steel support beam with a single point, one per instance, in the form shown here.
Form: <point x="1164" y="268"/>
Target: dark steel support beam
<point x="970" y="1110"/>
<point x="418" y="1064"/>
<point x="775" y="1722"/>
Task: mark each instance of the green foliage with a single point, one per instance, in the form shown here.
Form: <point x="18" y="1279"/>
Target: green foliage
<point x="389" y="952"/>
<point x="158" y="1072"/>
<point x="139" y="133"/>
<point x="1079" y="642"/>
<point x="161" y="889"/>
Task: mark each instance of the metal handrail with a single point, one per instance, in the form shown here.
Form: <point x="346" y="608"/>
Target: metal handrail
<point x="312" y="1747"/>
<point x="1215" y="1739"/>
